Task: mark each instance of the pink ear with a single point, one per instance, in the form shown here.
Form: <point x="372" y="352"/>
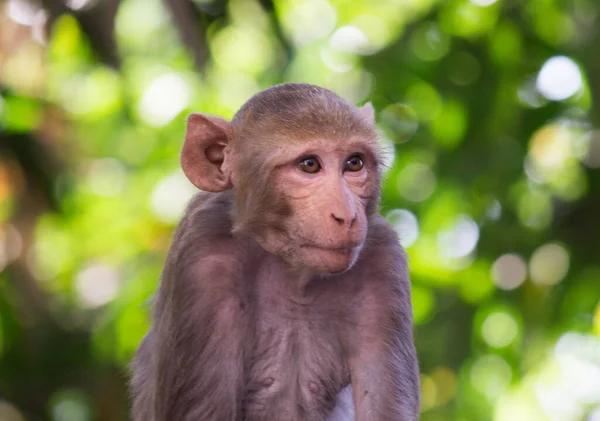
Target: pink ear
<point x="204" y="151"/>
<point x="368" y="112"/>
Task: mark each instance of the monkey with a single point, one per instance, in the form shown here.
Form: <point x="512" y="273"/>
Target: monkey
<point x="285" y="294"/>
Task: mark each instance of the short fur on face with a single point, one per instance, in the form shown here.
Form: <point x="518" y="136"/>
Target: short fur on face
<point x="313" y="221"/>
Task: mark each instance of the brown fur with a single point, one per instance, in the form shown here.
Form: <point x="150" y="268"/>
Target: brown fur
<point x="251" y="322"/>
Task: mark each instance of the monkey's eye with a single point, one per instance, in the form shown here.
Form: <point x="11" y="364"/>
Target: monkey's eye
<point x="354" y="163"/>
<point x="310" y="165"/>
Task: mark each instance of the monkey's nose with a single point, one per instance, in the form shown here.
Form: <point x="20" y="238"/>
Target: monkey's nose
<point x="344" y="220"/>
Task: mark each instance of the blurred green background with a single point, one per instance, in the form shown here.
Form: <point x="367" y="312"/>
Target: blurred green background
<point x="492" y="112"/>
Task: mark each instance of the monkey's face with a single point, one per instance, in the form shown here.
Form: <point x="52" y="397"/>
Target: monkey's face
<point x="327" y="187"/>
<point x="304" y="166"/>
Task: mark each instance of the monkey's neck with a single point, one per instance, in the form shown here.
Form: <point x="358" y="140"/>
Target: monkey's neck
<point x="269" y="265"/>
<point x="282" y="276"/>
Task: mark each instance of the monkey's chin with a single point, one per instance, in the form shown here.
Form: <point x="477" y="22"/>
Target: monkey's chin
<point x="329" y="261"/>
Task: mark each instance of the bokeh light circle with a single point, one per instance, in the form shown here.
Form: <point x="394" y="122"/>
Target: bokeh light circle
<point x="549" y="264"/>
<point x="406" y="225"/>
<point x="509" y="271"/>
<point x="559" y="78"/>
<point x="499" y="329"/>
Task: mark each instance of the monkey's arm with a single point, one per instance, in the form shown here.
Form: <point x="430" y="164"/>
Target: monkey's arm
<point x="200" y="357"/>
<point x="199" y="324"/>
<point x="384" y="366"/>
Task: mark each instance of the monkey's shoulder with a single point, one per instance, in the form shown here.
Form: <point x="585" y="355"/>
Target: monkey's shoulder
<point x="204" y="250"/>
<point x="207" y="219"/>
<point x="383" y="239"/>
<point x="383" y="265"/>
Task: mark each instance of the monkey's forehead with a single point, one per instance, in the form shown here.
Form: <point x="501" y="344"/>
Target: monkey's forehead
<point x="323" y="143"/>
<point x="297" y="140"/>
<point x="306" y="127"/>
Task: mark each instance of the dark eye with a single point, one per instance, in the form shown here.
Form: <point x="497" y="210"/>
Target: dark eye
<point x="310" y="165"/>
<point x="354" y="163"/>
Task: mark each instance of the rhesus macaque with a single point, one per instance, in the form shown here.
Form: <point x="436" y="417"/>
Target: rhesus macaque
<point x="285" y="295"/>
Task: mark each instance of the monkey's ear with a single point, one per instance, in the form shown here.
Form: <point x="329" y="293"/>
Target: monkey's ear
<point x="368" y="112"/>
<point x="204" y="152"/>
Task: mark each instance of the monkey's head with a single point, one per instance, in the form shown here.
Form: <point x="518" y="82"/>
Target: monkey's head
<point x="305" y="168"/>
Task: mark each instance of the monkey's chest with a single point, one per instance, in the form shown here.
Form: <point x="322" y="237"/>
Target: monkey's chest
<point x="297" y="366"/>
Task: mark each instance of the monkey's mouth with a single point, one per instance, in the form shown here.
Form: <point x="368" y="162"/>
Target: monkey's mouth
<point x="331" y="259"/>
<point x="343" y="249"/>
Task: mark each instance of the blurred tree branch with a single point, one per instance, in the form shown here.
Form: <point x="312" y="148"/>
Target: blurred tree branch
<point x="34" y="198"/>
<point x="187" y="19"/>
<point x="191" y="21"/>
<point x="97" y="22"/>
<point x="269" y="7"/>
